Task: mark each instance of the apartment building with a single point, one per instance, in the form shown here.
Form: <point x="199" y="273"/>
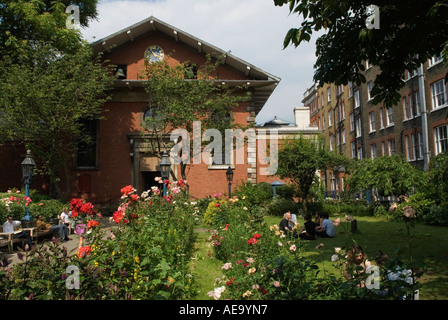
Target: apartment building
<point x="352" y="125"/>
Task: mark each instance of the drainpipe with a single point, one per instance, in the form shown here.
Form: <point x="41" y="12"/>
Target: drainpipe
<point x="424" y="116"/>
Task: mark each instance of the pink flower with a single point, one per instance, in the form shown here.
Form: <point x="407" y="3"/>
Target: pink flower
<point x="276" y="284"/>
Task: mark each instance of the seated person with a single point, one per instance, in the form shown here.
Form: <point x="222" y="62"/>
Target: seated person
<point x="60" y="229"/>
<point x="326" y="230"/>
<point x="286" y="225"/>
<point x="8" y="227"/>
<point x="308" y="230"/>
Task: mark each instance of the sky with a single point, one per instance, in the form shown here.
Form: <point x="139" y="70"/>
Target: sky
<point x="252" y="30"/>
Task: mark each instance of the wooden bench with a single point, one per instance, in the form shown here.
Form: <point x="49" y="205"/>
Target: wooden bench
<point x="8" y="237"/>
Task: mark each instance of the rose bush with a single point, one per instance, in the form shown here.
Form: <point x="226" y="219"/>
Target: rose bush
<point x="146" y="256"/>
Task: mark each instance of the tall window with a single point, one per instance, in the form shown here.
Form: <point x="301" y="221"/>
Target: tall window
<point x="353" y="146"/>
<point x="411" y="106"/>
<point x="357" y="101"/>
<point x="391" y="145"/>
<point x="86" y="156"/>
<point x="373" y="151"/>
<point x="405" y="108"/>
<point x="435" y="59"/>
<point x="438" y="92"/>
<point x="329" y="94"/>
<point x="441" y="139"/>
<point x="381" y="118"/>
<point x="358" y="127"/>
<point x="352" y="122"/>
<point x="420" y="145"/>
<point x="369" y="90"/>
<point x="390" y="116"/>
<point x="372" y="121"/>
<point x="408" y="148"/>
<point x="330" y="118"/>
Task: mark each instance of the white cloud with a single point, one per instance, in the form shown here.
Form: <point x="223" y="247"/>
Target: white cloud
<point x="252" y="30"/>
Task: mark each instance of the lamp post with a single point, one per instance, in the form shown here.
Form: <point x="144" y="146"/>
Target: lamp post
<point x="27" y="173"/>
<point x="229" y="175"/>
<point x="165" y="165"/>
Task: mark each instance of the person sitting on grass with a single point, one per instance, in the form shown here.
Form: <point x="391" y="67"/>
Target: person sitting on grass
<point x="326" y="230"/>
<point x="60" y="229"/>
<point x="308" y="230"/>
<point x="285" y="224"/>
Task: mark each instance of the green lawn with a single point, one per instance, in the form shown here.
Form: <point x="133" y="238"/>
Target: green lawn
<point x="374" y="234"/>
<point x="429" y="245"/>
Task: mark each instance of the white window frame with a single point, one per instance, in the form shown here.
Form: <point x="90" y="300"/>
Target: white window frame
<point x="358" y="127"/>
<point x="372" y="121"/>
<point x="373" y="151"/>
<point x="357" y="99"/>
<point x="369" y="90"/>
<point x="435" y="60"/>
<point x="440" y="139"/>
<point x="438" y="94"/>
<point x="390" y="116"/>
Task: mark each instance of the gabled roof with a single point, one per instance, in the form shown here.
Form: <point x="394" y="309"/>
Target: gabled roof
<point x="261" y="81"/>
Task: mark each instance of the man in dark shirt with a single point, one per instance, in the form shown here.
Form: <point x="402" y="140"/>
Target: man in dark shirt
<point x="310" y="229"/>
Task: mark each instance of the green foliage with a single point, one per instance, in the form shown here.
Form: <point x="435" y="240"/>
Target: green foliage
<point x="388" y="175"/>
<point x="279" y="206"/>
<point x="299" y="159"/>
<point x="259" y="194"/>
<point x="436" y="179"/>
<point x="346" y="41"/>
<point x="146" y="257"/>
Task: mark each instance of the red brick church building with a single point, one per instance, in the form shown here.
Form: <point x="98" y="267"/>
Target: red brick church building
<point x="119" y="155"/>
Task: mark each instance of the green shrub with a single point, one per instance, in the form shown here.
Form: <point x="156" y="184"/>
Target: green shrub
<point x="437" y="215"/>
<point x="279" y="206"/>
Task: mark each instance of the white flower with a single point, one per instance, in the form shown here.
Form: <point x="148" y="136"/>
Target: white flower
<point x="337" y="249"/>
<point x="334" y="257"/>
<point x="227" y="266"/>
<point x="292" y="248"/>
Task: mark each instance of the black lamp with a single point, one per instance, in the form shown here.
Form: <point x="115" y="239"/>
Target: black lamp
<point x="165" y="166"/>
<point x="27" y="173"/>
<point x="229" y="175"/>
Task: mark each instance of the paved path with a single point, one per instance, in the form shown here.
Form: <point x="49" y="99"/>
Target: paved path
<point x="70" y="245"/>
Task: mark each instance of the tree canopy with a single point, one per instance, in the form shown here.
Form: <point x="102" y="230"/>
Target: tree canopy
<point x="299" y="161"/>
<point x="184" y="93"/>
<point x="409" y="33"/>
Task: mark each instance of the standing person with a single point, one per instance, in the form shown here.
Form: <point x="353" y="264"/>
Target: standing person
<point x="309" y="227"/>
<point x="326" y="230"/>
<point x="8" y="227"/>
<point x="61" y="229"/>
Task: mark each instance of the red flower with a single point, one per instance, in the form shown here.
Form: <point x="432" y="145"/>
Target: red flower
<point x="84" y="251"/>
<point x="252" y="241"/>
<point x="92" y="223"/>
<point x="118" y="216"/>
<point x="76" y="204"/>
<point x="225" y="228"/>
<point x="134" y="197"/>
<point x="86" y="208"/>
<point x="127" y="190"/>
<point x="217" y="205"/>
<point x="257" y="236"/>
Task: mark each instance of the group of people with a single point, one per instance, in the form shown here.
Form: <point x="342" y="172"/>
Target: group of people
<point x="322" y="226"/>
<point x="61" y="230"/>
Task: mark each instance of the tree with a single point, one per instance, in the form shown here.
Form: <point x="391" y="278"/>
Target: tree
<point x="42" y="105"/>
<point x="184" y="93"/>
<point x="49" y="82"/>
<point x="300" y="159"/>
<point x="409" y="33"/>
<point x="390" y="176"/>
<point x="26" y="22"/>
<point x="436" y="179"/>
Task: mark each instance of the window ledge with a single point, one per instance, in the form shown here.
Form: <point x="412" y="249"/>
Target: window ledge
<point x="220" y="167"/>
